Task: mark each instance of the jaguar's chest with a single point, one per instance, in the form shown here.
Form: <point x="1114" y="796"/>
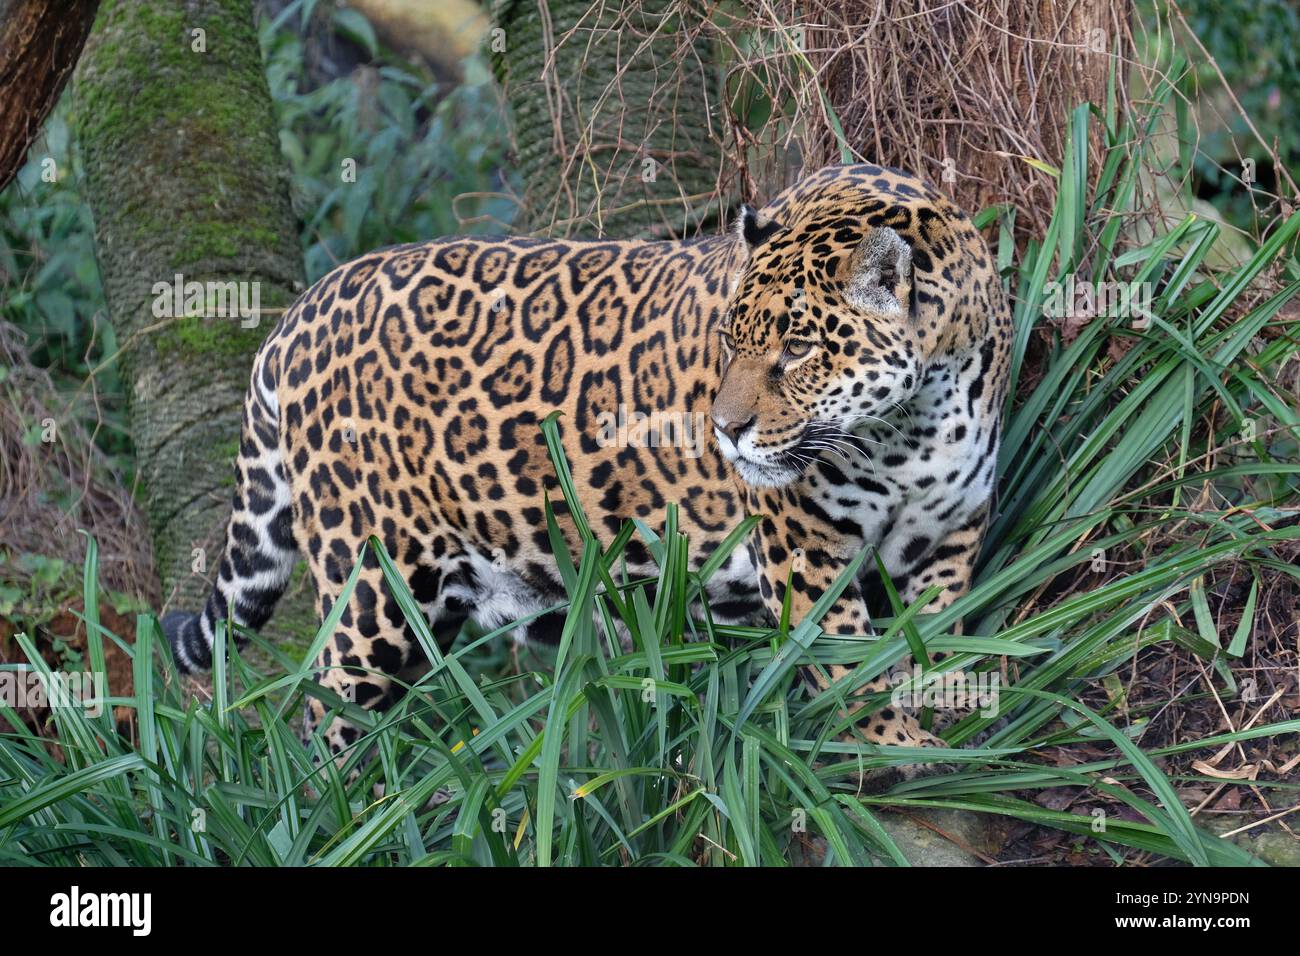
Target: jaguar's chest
<point x="923" y="464"/>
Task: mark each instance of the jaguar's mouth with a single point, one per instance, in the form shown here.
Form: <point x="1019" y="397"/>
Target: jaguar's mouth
<point x="819" y="440"/>
<point x="770" y="472"/>
<point x="833" y="441"/>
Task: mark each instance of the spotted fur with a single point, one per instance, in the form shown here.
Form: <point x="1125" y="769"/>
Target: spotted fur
<point x="849" y="342"/>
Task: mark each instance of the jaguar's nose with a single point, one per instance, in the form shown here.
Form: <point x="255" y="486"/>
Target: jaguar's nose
<point x="732" y="429"/>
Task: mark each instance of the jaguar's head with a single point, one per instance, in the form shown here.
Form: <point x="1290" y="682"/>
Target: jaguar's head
<point x="819" y="339"/>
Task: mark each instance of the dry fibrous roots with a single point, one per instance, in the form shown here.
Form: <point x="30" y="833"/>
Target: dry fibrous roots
<point x="962" y="93"/>
<point x="55" y="481"/>
<point x="956" y="92"/>
<point x="734" y="100"/>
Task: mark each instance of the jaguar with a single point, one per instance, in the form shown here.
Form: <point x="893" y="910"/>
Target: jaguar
<point x="846" y="345"/>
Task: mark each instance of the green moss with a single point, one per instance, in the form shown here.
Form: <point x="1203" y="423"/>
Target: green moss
<point x="223" y="338"/>
<point x="226" y="451"/>
<point x="219" y="338"/>
<point x="210" y="239"/>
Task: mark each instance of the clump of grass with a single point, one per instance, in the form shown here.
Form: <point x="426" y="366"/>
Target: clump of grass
<point x="691" y="747"/>
<point x="698" y="744"/>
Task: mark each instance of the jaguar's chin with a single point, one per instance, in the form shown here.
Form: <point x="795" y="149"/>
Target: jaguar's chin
<point x="765" y="475"/>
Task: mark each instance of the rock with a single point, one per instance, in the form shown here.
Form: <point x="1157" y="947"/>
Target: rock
<point x="1268" y="841"/>
<point x="947" y="841"/>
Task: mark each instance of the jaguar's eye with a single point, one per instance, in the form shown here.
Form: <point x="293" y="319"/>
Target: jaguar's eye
<point x="728" y="340"/>
<point x="796" y="349"/>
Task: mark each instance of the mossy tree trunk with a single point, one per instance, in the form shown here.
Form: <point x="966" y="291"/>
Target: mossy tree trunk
<point x="184" y="176"/>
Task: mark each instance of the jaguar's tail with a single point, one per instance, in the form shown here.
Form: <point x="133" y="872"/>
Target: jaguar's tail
<point x="260" y="549"/>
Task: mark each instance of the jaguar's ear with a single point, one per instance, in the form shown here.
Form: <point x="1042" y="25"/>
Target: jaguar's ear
<point x="754" y="228"/>
<point x="880" y="272"/>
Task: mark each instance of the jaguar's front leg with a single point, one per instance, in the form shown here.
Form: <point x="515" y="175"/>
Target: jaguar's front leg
<point x="806" y="563"/>
<point x="948" y="564"/>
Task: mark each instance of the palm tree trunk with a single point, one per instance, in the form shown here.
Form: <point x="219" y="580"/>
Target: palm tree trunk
<point x="616" y="115"/>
